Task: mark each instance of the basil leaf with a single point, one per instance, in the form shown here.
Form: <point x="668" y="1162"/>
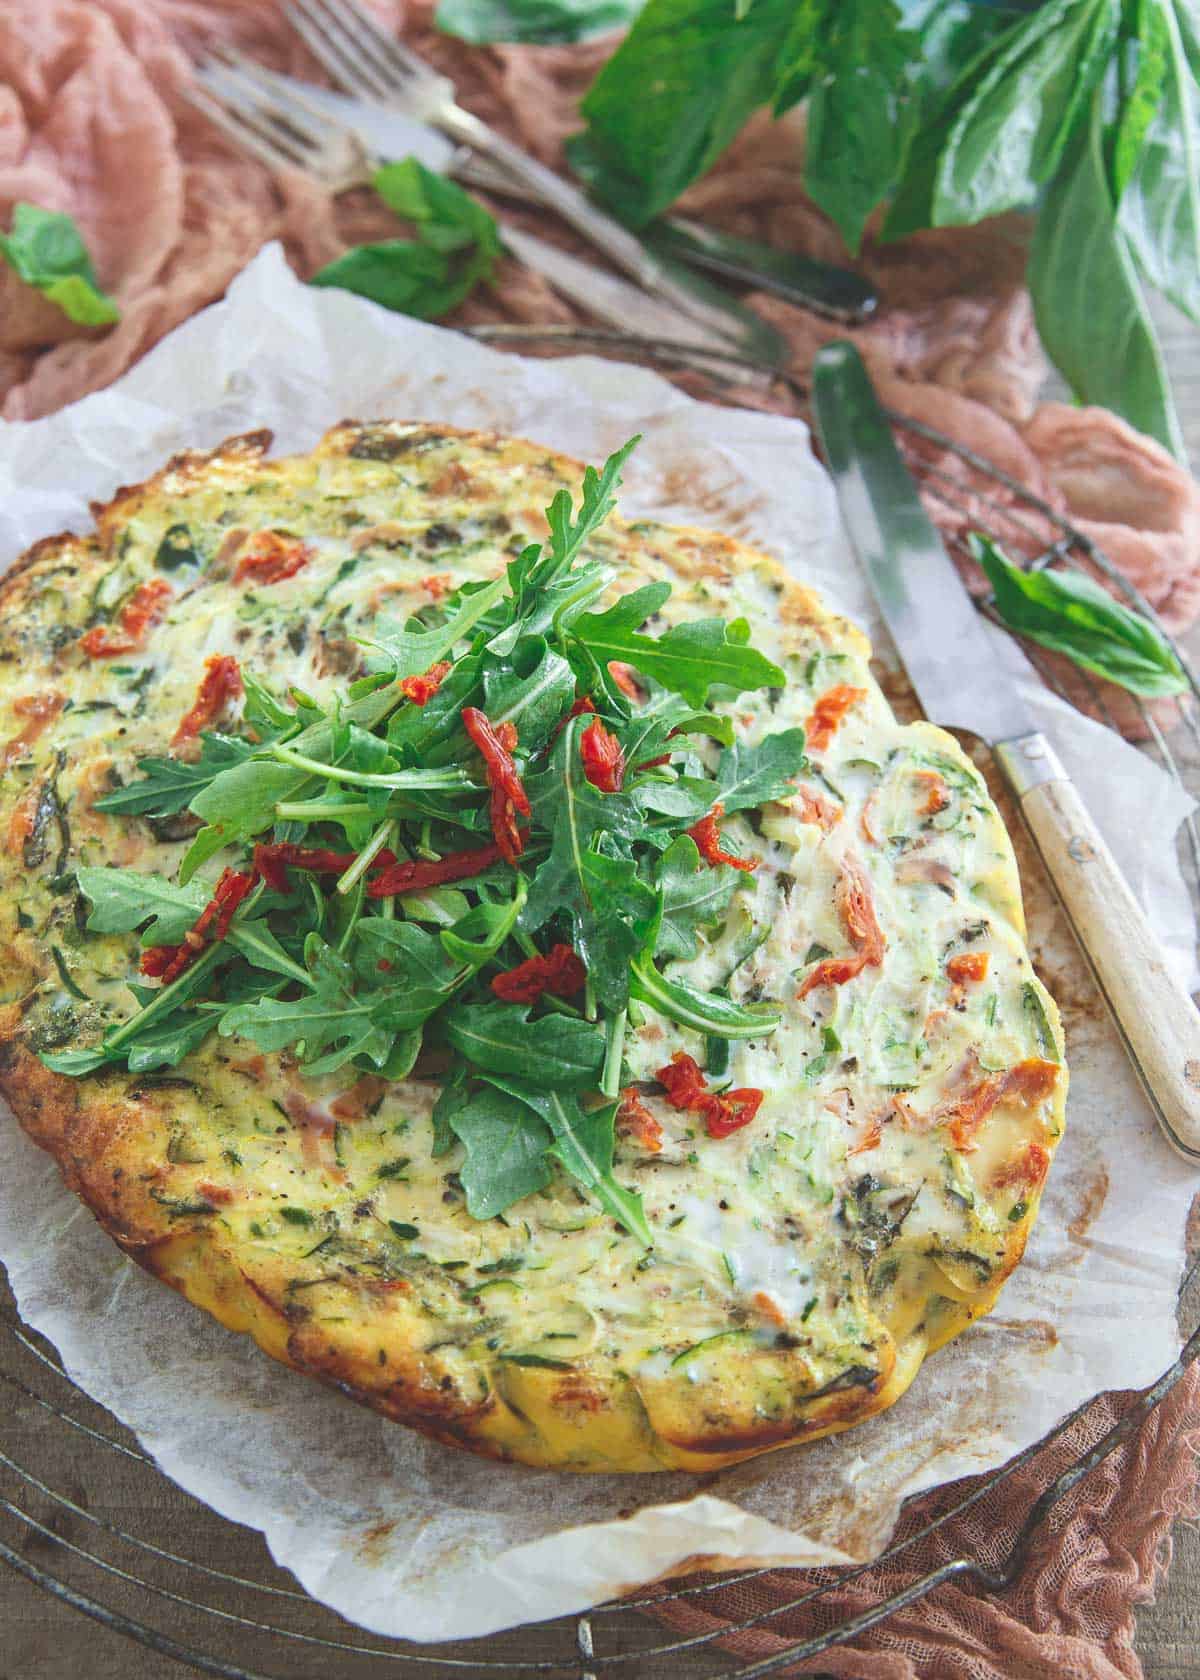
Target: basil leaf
<point x="584" y="1144"/>
<point x="856" y="67"/>
<point x="704" y="1011"/>
<point x="505" y="1146"/>
<point x="674" y="94"/>
<point x="1076" y="616"/>
<point x="168" y="785"/>
<point x="122" y="900"/>
<point x="45" y="248"/>
<point x="1147" y="28"/>
<point x="688" y="658"/>
<point x="540" y="22"/>
<point x="693" y="896"/>
<point x="750" y="776"/>
<point x="1157" y="162"/>
<point x="556" y="1051"/>
<point x="457" y="246"/>
<point x="1089" y="307"/>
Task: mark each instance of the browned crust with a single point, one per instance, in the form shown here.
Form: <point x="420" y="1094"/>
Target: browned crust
<point x="516" y="1416"/>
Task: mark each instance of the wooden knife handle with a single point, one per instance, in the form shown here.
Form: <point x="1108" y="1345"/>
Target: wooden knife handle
<point x="1156" y="1018"/>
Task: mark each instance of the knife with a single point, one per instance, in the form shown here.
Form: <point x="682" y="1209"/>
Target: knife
<point x="962" y="683"/>
<point x="838" y="293"/>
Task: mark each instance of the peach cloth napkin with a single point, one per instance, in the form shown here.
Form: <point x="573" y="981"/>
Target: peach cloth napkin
<point x="92" y="122"/>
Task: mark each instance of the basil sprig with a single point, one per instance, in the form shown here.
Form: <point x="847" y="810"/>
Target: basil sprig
<point x="345" y="980"/>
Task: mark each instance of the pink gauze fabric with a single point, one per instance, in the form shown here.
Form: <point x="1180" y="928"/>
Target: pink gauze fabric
<point x="92" y="122"/>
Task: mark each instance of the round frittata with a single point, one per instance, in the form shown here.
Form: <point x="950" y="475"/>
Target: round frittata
<point x="569" y="1015"/>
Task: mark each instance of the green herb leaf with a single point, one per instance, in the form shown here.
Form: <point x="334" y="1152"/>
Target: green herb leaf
<point x="750" y="776"/>
<point x="1089" y="306"/>
<point x="706" y="1012"/>
<point x="688" y="658"/>
<point x="692" y="897"/>
<point x="584" y="1144"/>
<point x="536" y="22"/>
<point x="420" y="976"/>
<point x="475" y="939"/>
<point x="505" y="1146"/>
<point x="1076" y="616"/>
<point x="457" y="246"/>
<point x="532" y="689"/>
<point x="673" y="96"/>
<point x="46" y="250"/>
<point x="122" y="900"/>
<point x="1156" y="165"/>
<point x="556" y="1052"/>
<point x="168" y="785"/>
<point x="332" y="1023"/>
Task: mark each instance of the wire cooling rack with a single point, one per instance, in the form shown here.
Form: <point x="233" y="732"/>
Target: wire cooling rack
<point x="116" y="1542"/>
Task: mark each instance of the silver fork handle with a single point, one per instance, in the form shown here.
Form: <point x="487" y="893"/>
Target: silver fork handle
<point x="621" y="247"/>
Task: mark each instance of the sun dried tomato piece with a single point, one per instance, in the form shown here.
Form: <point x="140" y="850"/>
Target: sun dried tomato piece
<point x="963" y="1112"/>
<point x="856" y="907"/>
<point x="168" y="962"/>
<point x="145" y="608"/>
<point x="828" y="713"/>
<point x="603" y="758"/>
<point x="273" y="859"/>
<point x="937" y="794"/>
<point x="635" y="1120"/>
<point x="420" y="690"/>
<point x="508" y="795"/>
<point x="722" y="1114"/>
<point x="560" y="971"/>
<point x="1029" y="1168"/>
<point x="417" y="874"/>
<point x="967" y="966"/>
<point x="707" y="835"/>
<point x="731" y="1111"/>
<point x="624" y="678"/>
<point x="39" y="711"/>
<point x="578" y="708"/>
<point x="221" y="683"/>
<point x="272" y="558"/>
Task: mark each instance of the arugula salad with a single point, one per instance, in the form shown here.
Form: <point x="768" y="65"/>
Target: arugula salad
<point x="546" y="778"/>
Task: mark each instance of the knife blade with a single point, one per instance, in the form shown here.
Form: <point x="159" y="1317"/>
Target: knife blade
<point x="838" y="293"/>
<point x="962" y="682"/>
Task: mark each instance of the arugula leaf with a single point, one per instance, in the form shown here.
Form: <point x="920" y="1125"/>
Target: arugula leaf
<point x="706" y="1012"/>
<point x="584" y="1144"/>
<point x="531" y="689"/>
<point x="610" y="909"/>
<point x="122" y="900"/>
<point x="750" y="776"/>
<point x="475" y="939"/>
<point x="1076" y="616"/>
<point x="412" y="648"/>
<point x="692" y="897"/>
<point x="505" y="1148"/>
<point x="673" y="95"/>
<point x="688" y="658"/>
<point x="541" y="22"/>
<point x="560" y="1053"/>
<point x="1157" y="160"/>
<point x="168" y="785"/>
<point x="46" y="250"/>
<point x="332" y="1023"/>
<point x="1089" y="307"/>
<point x="457" y="246"/>
<point x="421" y="974"/>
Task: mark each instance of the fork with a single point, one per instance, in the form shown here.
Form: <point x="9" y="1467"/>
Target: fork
<point x="283" y="129"/>
<point x="370" y="64"/>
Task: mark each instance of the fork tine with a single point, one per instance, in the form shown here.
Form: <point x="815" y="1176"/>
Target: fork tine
<point x="344" y="60"/>
<point x="277" y="103"/>
<point x="231" y="122"/>
<point x="366" y="30"/>
<point x="243" y="101"/>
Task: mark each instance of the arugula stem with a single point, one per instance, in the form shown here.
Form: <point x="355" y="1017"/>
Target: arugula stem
<point x="610" y="1079"/>
<point x="347" y="881"/>
<point x="451" y="781"/>
<point x="318" y="810"/>
<point x="589" y="1001"/>
<point x="165" y="1001"/>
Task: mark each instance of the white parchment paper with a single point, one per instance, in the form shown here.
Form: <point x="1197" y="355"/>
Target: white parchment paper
<point x="417" y="1540"/>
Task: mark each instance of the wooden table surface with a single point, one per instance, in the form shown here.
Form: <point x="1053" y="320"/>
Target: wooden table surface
<point x="43" y="1639"/>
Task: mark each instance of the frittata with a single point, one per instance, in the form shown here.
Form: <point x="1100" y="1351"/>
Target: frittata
<point x="508" y="960"/>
